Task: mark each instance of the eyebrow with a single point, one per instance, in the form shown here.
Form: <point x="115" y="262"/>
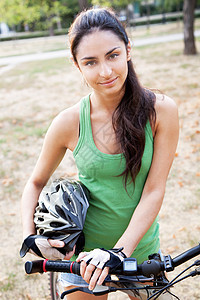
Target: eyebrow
<point x="93" y="57"/>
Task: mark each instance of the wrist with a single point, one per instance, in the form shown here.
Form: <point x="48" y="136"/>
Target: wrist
<point x="119" y="251"/>
<point x="126" y="250"/>
<point x="28" y="233"/>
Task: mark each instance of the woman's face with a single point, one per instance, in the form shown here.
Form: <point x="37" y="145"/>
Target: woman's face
<point x="102" y="59"/>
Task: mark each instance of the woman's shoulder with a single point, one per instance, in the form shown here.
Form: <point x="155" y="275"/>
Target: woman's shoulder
<point x="166" y="110"/>
<point x="67" y="118"/>
<point x="165" y="106"/>
<point x="66" y="126"/>
<point x="164" y="102"/>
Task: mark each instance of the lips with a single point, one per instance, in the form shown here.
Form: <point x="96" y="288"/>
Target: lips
<point x="109" y="82"/>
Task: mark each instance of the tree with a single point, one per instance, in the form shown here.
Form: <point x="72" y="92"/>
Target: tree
<point x="13" y="12"/>
<point x="51" y="12"/>
<point x="116" y="4"/>
<point x="37" y="14"/>
<point x="188" y="20"/>
<point x="83" y="4"/>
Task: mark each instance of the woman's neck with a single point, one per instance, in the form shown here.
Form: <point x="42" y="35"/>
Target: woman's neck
<point x="104" y="102"/>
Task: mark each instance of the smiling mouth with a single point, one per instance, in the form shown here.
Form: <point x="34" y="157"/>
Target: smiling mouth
<point x="109" y="82"/>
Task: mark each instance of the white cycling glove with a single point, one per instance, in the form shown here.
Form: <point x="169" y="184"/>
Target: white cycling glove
<point x="39" y="246"/>
<point x="105" y="258"/>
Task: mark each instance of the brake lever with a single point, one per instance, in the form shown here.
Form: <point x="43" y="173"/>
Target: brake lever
<point x="97" y="291"/>
<point x="77" y="289"/>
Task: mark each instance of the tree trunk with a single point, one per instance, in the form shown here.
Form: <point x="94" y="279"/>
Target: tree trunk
<point x="51" y="28"/>
<point x="148" y="13"/>
<point x="163" y="12"/>
<point x="83" y="4"/>
<point x="188" y="19"/>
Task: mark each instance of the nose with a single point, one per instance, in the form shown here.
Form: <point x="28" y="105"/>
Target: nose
<point x="105" y="70"/>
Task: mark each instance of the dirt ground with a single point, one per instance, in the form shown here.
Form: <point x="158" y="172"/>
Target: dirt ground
<point x="32" y="94"/>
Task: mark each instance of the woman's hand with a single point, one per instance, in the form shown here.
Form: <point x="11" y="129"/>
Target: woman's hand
<point x="90" y="273"/>
<point x="44" y="247"/>
<point x="95" y="264"/>
<point x="60" y="244"/>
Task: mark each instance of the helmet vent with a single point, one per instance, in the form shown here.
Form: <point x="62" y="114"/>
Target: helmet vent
<point x="43" y="208"/>
<point x="60" y="211"/>
<point x="57" y="188"/>
<point x="55" y="224"/>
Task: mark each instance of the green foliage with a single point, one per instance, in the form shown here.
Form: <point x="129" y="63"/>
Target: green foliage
<point x="169" y="5"/>
<point x="117" y="4"/>
<point x="55" y="14"/>
<point x="12" y="11"/>
<point x="38" y="14"/>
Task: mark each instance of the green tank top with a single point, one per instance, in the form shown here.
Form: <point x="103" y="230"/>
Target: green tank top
<point x="111" y="207"/>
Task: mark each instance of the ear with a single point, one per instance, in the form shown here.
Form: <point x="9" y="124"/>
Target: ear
<point x="128" y="48"/>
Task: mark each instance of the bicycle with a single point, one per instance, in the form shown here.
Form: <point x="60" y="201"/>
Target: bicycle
<point x="150" y="273"/>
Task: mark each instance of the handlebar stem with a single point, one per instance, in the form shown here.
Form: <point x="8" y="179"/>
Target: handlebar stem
<point x="151" y="268"/>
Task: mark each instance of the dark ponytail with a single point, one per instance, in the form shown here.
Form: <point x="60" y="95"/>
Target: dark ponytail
<point x="129" y="121"/>
<point x="137" y="105"/>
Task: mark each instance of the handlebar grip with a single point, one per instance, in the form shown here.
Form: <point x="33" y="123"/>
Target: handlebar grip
<point x="185" y="256"/>
<point x="40" y="266"/>
<point x="35" y="266"/>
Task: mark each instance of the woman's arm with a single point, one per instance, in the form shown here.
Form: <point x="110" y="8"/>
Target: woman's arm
<point x="62" y="134"/>
<point x="165" y="143"/>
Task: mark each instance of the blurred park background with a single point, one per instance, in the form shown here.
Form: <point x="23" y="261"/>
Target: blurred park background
<point x="26" y="18"/>
<point x="38" y="80"/>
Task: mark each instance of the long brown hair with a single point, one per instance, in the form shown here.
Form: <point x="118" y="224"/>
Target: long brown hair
<point x="137" y="105"/>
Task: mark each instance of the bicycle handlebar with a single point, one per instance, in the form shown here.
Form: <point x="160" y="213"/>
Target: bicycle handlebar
<point x="185" y="256"/>
<point x="147" y="268"/>
<point x="41" y="266"/>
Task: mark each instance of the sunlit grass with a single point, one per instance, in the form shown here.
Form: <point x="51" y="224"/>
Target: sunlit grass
<point x="26" y="74"/>
<point x="8" y="283"/>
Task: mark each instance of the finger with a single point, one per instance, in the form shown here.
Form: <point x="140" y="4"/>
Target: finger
<point x="83" y="268"/>
<point x="94" y="278"/>
<point x="47" y="250"/>
<point x="81" y="256"/>
<point x="56" y="243"/>
<point x="88" y="272"/>
<point x="103" y="275"/>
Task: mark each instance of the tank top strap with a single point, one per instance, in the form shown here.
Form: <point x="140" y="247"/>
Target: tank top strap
<point x="84" y="116"/>
<point x="148" y="130"/>
<point x="84" y="122"/>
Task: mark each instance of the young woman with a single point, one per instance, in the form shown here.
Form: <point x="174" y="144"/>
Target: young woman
<point x="123" y="138"/>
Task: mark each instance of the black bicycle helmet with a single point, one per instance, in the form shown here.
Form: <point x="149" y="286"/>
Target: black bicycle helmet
<point x="61" y="213"/>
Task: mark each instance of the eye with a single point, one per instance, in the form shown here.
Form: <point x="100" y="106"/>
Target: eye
<point x="90" y="63"/>
<point x="113" y="55"/>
